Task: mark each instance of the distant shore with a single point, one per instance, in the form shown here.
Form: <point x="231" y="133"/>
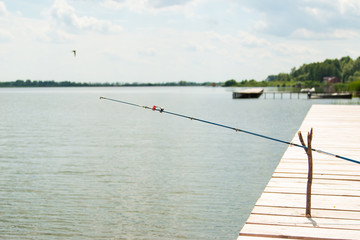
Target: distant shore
<point x="288" y="86"/>
<point x="51" y="83"/>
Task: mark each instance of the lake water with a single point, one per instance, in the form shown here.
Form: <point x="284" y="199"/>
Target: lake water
<point x="76" y="167"/>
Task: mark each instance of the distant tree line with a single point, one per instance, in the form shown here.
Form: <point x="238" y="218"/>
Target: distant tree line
<point x="308" y="75"/>
<point x="311" y="75"/>
<point x="346" y="69"/>
<point x="244" y="83"/>
<point x="52" y="83"/>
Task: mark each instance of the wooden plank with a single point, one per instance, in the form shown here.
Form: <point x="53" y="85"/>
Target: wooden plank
<point x="318" y="171"/>
<point x="280" y="211"/>
<point x="319" y="183"/>
<point x="351" y="224"/>
<point x="318" y="201"/>
<point x="339" y="176"/>
<point x="319" y="213"/>
<point x="315" y="191"/>
<point x="330" y="169"/>
<point x="262" y="238"/>
<point x="297" y="232"/>
<point x="353" y="154"/>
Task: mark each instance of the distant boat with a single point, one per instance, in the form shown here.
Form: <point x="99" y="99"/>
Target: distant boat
<point x="248" y="93"/>
<point x="307" y="90"/>
<point x="330" y="95"/>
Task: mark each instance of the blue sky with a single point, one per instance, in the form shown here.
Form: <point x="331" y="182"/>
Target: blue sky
<point x="171" y="40"/>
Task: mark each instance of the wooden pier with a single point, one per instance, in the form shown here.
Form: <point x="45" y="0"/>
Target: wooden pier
<point x="284" y="95"/>
<point x="280" y="211"/>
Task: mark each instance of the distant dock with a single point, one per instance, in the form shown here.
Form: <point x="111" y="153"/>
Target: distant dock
<point x="284" y="95"/>
<point x="302" y="95"/>
<point x="280" y="211"/>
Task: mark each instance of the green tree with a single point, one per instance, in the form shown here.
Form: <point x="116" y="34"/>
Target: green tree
<point x="284" y="77"/>
<point x="356" y="66"/>
<point x="271" y="78"/>
<point x="230" y="83"/>
<point x="347" y="70"/>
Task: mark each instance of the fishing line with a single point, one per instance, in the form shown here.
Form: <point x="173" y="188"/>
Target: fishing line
<point x="162" y="110"/>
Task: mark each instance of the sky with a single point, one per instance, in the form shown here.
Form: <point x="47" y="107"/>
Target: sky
<point x="171" y="40"/>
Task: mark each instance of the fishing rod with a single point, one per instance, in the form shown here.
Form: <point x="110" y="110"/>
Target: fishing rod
<point x="162" y="110"/>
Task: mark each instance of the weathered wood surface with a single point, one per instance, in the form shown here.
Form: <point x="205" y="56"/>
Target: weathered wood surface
<point x="280" y="211"/>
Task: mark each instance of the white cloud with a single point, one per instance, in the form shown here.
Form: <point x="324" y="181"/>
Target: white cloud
<point x="349" y="6"/>
<point x="65" y="15"/>
<point x="249" y="40"/>
<point x="239" y="39"/>
<point x="3" y="10"/>
<point x="260" y="25"/>
<point x="306" y="34"/>
<point x="148" y="52"/>
<point x="199" y="47"/>
<point x="293" y="18"/>
<point x="5" y="36"/>
<point x="313" y="11"/>
<point x="54" y="36"/>
<point x="14" y="26"/>
<point x="154" y="6"/>
<point x="194" y="40"/>
<point x="345" y="34"/>
<point x="287" y="49"/>
<point x="303" y="33"/>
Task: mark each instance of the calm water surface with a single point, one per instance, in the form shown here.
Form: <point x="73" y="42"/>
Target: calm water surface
<point x="76" y="167"/>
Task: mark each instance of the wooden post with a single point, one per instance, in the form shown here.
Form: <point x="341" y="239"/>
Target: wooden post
<point x="310" y="170"/>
